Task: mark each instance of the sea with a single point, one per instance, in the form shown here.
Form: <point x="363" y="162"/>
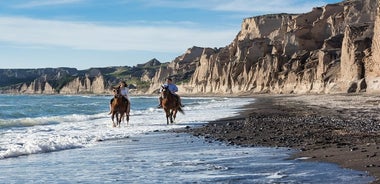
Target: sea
<point x="70" y="139"/>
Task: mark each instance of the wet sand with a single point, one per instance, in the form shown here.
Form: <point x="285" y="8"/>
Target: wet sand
<point x="342" y="129"/>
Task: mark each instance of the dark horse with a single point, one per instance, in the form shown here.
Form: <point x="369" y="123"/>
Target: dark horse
<point x="119" y="107"/>
<point x="171" y="105"/>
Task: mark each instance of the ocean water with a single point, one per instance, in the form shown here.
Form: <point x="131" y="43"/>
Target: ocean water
<point x="70" y="139"/>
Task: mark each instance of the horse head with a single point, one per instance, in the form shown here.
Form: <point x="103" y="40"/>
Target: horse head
<point x="165" y="91"/>
<point x="116" y="92"/>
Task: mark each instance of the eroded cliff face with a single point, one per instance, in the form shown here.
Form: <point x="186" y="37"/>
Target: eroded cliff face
<point x="53" y="81"/>
<point x="87" y="84"/>
<point x="331" y="49"/>
<point x="79" y="85"/>
<point x="180" y="68"/>
<point x="372" y="64"/>
<point x="38" y="86"/>
<point x="356" y="43"/>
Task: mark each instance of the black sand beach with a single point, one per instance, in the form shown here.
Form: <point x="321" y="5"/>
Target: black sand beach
<point x="342" y="129"/>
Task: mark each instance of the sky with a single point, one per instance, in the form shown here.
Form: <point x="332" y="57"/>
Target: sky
<point x="84" y="34"/>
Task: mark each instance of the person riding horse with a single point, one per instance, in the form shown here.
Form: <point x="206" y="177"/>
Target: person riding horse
<point x="173" y="89"/>
<point x="124" y="91"/>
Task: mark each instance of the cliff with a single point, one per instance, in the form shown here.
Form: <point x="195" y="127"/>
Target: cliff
<point x="73" y="81"/>
<point x="372" y="64"/>
<point x="331" y="49"/>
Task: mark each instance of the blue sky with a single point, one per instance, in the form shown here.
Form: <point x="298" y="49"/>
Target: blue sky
<point x="100" y="33"/>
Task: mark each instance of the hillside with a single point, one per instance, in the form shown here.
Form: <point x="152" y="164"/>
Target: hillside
<point x="73" y="81"/>
<point x="331" y="49"/>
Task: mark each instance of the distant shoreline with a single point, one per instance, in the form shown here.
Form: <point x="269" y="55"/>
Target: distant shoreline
<point x="148" y="95"/>
<point x="342" y="129"/>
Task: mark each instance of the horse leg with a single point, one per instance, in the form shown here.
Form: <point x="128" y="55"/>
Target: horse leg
<point x="127" y="110"/>
<point x="171" y="117"/>
<point x="121" y="118"/>
<point x="167" y="116"/>
<point x="174" y="114"/>
<point x="117" y="119"/>
<point x="128" y="107"/>
<point x="113" y="117"/>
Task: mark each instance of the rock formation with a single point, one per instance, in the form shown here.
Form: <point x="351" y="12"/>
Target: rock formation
<point x="327" y="50"/>
<point x="79" y="85"/>
<point x="181" y="68"/>
<point x="372" y="65"/>
<point x="331" y="49"/>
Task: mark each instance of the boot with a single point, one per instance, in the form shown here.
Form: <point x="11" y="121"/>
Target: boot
<point x="160" y="103"/>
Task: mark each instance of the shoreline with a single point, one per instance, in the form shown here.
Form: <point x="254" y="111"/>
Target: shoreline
<point x="343" y="128"/>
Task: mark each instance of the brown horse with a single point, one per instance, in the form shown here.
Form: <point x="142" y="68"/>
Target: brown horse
<point x="171" y="105"/>
<point x="119" y="107"/>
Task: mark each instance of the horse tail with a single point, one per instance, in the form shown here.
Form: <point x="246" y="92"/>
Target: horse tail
<point x="180" y="110"/>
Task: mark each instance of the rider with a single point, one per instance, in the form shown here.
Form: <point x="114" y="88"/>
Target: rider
<point x="124" y="91"/>
<point x="173" y="89"/>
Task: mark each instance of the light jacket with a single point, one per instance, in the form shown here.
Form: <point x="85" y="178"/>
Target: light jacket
<point x="124" y="91"/>
<point x="172" y="88"/>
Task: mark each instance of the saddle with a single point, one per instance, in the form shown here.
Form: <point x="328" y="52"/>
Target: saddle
<point x="176" y="98"/>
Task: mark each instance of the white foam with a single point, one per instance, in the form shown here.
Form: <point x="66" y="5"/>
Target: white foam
<point x="276" y="175"/>
<point x="303" y="158"/>
<point x="46" y="134"/>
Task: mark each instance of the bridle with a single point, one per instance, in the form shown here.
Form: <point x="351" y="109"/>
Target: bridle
<point x="116" y="92"/>
<point x="165" y="91"/>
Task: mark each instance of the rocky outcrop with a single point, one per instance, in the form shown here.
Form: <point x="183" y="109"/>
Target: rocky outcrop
<point x="33" y="81"/>
<point x="372" y="64"/>
<point x="38" y="86"/>
<point x="72" y="81"/>
<point x="331" y="49"/>
<point x="85" y="85"/>
<point x="357" y="39"/>
<point x="181" y="68"/>
<point x="323" y="51"/>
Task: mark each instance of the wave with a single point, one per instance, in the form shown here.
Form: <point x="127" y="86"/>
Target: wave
<point x="33" y="135"/>
<point x="46" y="120"/>
<point x="32" y="147"/>
<point x="6" y="105"/>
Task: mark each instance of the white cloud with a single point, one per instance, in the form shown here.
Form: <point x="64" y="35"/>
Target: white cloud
<point x="90" y="36"/>
<point x="272" y="6"/>
<point x="37" y="3"/>
<point x="260" y="6"/>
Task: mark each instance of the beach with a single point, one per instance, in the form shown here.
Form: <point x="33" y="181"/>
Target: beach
<point x="73" y="141"/>
<point x="342" y="129"/>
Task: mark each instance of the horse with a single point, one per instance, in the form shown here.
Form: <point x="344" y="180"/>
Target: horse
<point x="171" y="104"/>
<point x="119" y="107"/>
